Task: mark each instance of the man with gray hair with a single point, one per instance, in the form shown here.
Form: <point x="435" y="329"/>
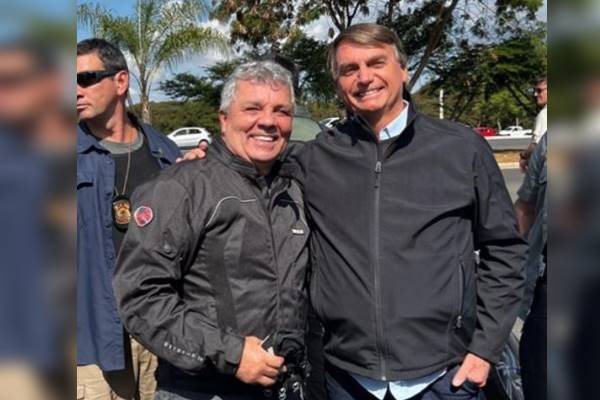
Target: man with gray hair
<point x="211" y="275"/>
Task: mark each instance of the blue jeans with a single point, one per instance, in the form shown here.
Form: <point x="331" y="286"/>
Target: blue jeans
<point x="442" y="389"/>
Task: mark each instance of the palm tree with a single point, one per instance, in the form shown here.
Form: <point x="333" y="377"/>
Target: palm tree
<point x="160" y="33"/>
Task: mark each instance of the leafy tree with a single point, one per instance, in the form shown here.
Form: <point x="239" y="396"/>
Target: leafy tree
<point x="489" y="84"/>
<point x="170" y="115"/>
<point x="435" y="30"/>
<point x="159" y="33"/>
<point x="429" y="29"/>
<point x="206" y="89"/>
<point x="310" y="56"/>
<point x="267" y="23"/>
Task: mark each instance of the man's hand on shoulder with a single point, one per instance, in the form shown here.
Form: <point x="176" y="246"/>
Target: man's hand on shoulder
<point x="474" y="369"/>
<point x="258" y="366"/>
<point x="197" y="153"/>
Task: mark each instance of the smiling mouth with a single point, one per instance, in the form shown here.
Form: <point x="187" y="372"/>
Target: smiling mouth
<point x="265" y="138"/>
<point x="368" y="93"/>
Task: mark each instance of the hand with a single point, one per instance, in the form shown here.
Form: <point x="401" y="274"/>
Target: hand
<point x="257" y="365"/>
<point x="525" y="155"/>
<point x="523" y="164"/>
<point x="197" y="153"/>
<point x="473" y="369"/>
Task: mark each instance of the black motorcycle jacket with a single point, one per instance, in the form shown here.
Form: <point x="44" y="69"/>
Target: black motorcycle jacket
<point x="213" y="253"/>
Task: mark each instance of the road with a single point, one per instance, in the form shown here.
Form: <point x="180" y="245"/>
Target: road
<point x="513" y="178"/>
<point x="509" y="143"/>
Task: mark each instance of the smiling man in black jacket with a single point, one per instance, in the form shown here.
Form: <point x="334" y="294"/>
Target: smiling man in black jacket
<point x="212" y="270"/>
<point x="400" y="202"/>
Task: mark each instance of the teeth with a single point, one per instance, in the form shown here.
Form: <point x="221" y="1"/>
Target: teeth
<point x="368" y="92"/>
<point x="265" y="138"/>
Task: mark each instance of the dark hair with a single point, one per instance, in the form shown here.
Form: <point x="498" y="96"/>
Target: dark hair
<point x="540" y="79"/>
<point x="367" y="34"/>
<point x="110" y="55"/>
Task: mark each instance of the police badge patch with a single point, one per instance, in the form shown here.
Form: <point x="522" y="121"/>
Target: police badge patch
<point x="143" y="215"/>
<point x="121" y="212"/>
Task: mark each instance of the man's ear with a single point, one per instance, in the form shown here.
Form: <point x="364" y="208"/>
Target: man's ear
<point x="223" y="121"/>
<point x="122" y="80"/>
<point x="405" y="77"/>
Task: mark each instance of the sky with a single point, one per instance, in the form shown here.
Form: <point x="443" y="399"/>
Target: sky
<point x="197" y="64"/>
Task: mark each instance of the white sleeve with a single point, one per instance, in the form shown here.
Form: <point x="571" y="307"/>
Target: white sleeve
<point x="541" y="125"/>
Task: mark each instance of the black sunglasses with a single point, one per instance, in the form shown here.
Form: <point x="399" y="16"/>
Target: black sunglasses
<point x="89" y="78"/>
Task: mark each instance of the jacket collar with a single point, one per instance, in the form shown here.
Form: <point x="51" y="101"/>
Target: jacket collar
<point x="412" y="113"/>
<point x="220" y="150"/>
<point x="87" y="141"/>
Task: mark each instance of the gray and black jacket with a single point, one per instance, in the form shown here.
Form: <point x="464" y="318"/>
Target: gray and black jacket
<point x="223" y="257"/>
<point x="395" y="226"/>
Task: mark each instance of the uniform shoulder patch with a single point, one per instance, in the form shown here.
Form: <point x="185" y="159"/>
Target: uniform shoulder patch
<point x="143" y="215"/>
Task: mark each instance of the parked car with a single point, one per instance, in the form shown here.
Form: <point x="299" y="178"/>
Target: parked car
<point x="515" y="130"/>
<point x="190" y="136"/>
<point x="485" y="131"/>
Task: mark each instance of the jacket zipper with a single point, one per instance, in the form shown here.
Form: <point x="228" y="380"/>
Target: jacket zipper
<point x="461" y="283"/>
<point x="266" y="206"/>
<point x="376" y="266"/>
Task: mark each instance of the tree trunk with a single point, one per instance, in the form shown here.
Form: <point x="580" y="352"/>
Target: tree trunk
<point x="145" y="103"/>
<point x="434" y="39"/>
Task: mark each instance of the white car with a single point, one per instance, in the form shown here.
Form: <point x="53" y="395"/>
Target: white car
<point x="515" y="130"/>
<point x="190" y="136"/>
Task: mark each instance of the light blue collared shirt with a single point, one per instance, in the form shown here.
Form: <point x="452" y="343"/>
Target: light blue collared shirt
<point x="403" y="389"/>
<point x="396" y="127"/>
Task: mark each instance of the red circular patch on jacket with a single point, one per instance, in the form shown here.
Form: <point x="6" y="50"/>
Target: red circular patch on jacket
<point x="143" y="215"/>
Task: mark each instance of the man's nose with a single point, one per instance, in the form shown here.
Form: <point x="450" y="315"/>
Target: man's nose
<point x="266" y="120"/>
<point x="365" y="75"/>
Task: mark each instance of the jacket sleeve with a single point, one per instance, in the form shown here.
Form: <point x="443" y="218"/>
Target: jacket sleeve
<point x="503" y="251"/>
<point x="149" y="278"/>
<point x="530" y="187"/>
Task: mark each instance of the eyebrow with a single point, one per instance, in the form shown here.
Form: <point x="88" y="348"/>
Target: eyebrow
<point x="375" y="58"/>
<point x="251" y="103"/>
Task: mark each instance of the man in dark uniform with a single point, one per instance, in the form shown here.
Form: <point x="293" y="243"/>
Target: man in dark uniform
<point x="115" y="154"/>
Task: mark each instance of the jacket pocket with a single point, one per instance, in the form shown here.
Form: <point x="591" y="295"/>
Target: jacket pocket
<point x="85" y="183"/>
<point x="84" y="179"/>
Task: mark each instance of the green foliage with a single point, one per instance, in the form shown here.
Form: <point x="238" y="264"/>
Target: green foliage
<point x="489" y="84"/>
<point x="257" y="22"/>
<point x="310" y="56"/>
<point x="159" y="33"/>
<point x="170" y="115"/>
<point x="320" y="110"/>
<point x="266" y="23"/>
<point x="206" y="89"/>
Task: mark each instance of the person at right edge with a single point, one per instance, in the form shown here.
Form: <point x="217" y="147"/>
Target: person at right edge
<point x="532" y="214"/>
<point x="540" y="93"/>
